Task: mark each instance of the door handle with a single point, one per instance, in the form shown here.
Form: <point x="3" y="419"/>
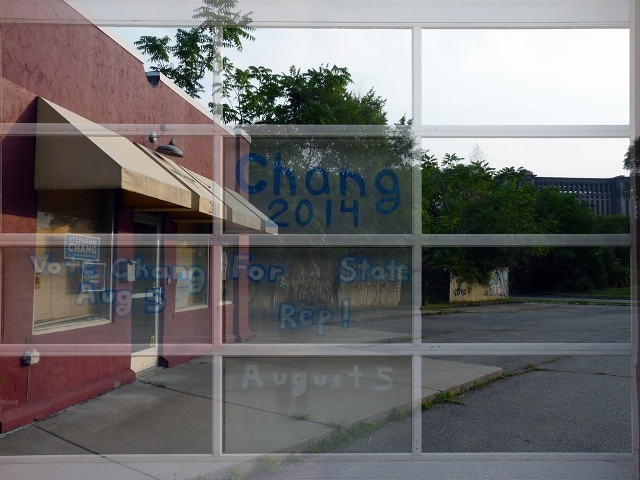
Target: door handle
<point x="160" y="295"/>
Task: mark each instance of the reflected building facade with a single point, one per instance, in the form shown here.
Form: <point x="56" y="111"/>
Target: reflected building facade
<point x="604" y="196"/>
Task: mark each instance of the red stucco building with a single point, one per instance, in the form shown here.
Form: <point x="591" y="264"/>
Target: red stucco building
<point x="108" y="265"/>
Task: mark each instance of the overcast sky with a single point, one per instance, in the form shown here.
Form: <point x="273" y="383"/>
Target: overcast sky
<point x="478" y="77"/>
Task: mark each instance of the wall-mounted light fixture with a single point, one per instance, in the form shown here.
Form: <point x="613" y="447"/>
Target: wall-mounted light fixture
<point x="169" y="149"/>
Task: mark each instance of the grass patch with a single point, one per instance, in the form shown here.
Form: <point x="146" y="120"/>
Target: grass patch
<point x="440" y="309"/>
<point x="335" y="424"/>
<point x="399" y="414"/>
<point x="270" y="464"/>
<point x="343" y="435"/>
<point x="234" y="473"/>
<point x="444" y="397"/>
<point x="452" y="398"/>
<point x="301" y="416"/>
<point x="313" y="448"/>
<point x="596" y="301"/>
<point x="449" y="306"/>
<point x="616" y="293"/>
<point x="477" y="385"/>
<point x="554" y="359"/>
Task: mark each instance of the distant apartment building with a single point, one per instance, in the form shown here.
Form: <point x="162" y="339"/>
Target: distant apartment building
<point x="605" y="196"/>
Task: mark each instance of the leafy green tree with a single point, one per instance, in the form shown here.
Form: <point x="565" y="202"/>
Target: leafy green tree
<point x="351" y="183"/>
<point x="577" y="269"/>
<point x="198" y="50"/>
<point x="572" y="269"/>
<point x="348" y="183"/>
<point x="315" y="97"/>
<point x="256" y="94"/>
<point x="368" y="178"/>
<point x="474" y="198"/>
<point x="612" y="224"/>
<point x="632" y="157"/>
<point x="330" y="174"/>
<point x="562" y="213"/>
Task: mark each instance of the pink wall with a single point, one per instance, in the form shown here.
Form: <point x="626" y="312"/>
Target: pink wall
<point x="85" y="71"/>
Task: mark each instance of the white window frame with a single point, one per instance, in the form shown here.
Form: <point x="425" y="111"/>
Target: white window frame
<point x="417" y="241"/>
<point x="367" y="14"/>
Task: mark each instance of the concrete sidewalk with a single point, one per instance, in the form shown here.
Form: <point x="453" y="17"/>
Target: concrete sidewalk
<point x="296" y="402"/>
<point x="169" y="412"/>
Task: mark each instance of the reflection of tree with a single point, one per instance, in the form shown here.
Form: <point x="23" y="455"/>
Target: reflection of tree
<point x="632" y="157"/>
<point x="71" y="211"/>
<point x="342" y="185"/>
<point x="573" y="269"/>
<point x="474" y="198"/>
<point x="64" y="223"/>
<point x="198" y="50"/>
<point x="319" y="96"/>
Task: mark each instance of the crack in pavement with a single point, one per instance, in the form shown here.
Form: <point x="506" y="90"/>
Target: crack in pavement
<point x="155" y="384"/>
<point x="101" y="455"/>
<point x="583" y="373"/>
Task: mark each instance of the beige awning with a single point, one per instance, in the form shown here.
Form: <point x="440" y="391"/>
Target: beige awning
<point x="209" y="199"/>
<point x="239" y="214"/>
<point x="242" y="214"/>
<point x="83" y="155"/>
<point x="202" y="202"/>
<point x="88" y="156"/>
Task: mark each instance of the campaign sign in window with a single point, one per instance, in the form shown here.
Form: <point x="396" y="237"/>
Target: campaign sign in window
<point x="93" y="276"/>
<point x="81" y="247"/>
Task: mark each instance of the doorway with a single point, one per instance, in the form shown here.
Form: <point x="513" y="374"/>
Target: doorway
<point x="147" y="293"/>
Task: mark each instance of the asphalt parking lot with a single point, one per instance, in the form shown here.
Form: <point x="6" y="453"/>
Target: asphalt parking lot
<point x="572" y="412"/>
<point x="543" y="404"/>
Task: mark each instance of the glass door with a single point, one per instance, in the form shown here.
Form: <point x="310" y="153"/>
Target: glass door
<point x="147" y="294"/>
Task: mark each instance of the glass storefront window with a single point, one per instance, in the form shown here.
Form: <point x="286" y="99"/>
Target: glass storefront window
<point x="70" y="280"/>
<point x="326" y="295"/>
<point x="332" y="185"/>
<point x="192" y="270"/>
<point x="525" y="77"/>
<point x="314" y="401"/>
<point x="351" y="315"/>
<point x="543" y="157"/>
